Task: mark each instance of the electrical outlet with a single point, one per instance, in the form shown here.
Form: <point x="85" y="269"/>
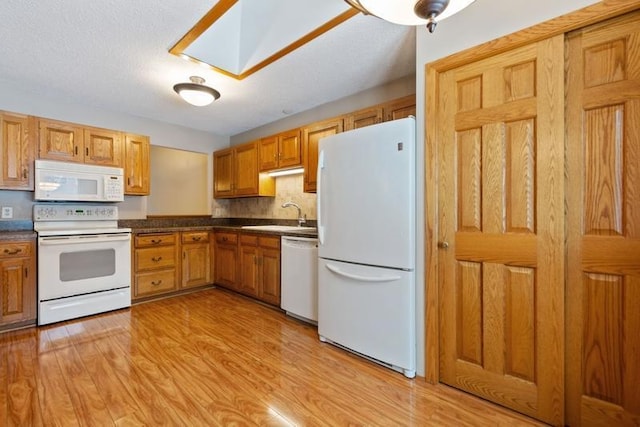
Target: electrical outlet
<point x="7" y="212"/>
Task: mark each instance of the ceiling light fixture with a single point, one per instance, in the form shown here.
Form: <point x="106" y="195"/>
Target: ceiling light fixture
<point x="411" y="12"/>
<point x="196" y="93"/>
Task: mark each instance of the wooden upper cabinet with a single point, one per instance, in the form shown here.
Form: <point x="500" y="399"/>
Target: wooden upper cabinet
<point x="269" y="153"/>
<point x="103" y="147"/>
<point x="400" y="108"/>
<point x="236" y="173"/>
<point x="223" y="173"/>
<point x="76" y="143"/>
<point x="16" y="134"/>
<point x="280" y="151"/>
<point x="310" y="137"/>
<point x="290" y="149"/>
<point x="60" y="141"/>
<point x="246" y="169"/>
<point x="136" y="164"/>
<point x="362" y="118"/>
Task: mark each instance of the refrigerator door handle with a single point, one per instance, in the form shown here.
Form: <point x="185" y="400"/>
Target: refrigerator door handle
<point x="319" y="196"/>
<point x="359" y="278"/>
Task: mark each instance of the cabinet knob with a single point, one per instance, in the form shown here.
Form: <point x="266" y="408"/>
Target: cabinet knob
<point x="156" y="283"/>
<point x="156" y="259"/>
<point x="196" y="238"/>
<point x="13" y="252"/>
<point x="155" y="242"/>
<point x="443" y="245"/>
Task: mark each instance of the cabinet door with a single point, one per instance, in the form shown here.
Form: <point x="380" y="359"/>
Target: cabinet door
<point x="603" y="224"/>
<point x="290" y="149"/>
<point x="401" y="108"/>
<point x="248" y="270"/>
<point x="269" y="153"/>
<point x="246" y="170"/>
<point x="270" y="276"/>
<point x="363" y="118"/>
<point x="17" y="152"/>
<point x="60" y="141"/>
<point x="310" y="137"/>
<point x="195" y="264"/>
<point x="17" y="290"/>
<point x="136" y="165"/>
<point x="223" y="162"/>
<point x="103" y="147"/>
<point x="226" y="265"/>
<point x="500" y="169"/>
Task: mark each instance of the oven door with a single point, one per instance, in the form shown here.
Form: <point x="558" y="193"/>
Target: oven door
<point x="83" y="264"/>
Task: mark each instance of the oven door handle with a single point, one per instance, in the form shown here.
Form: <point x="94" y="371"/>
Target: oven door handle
<point x="70" y="240"/>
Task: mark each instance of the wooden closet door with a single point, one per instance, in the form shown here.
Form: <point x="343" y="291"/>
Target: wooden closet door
<point x="501" y="227"/>
<point x="603" y="205"/>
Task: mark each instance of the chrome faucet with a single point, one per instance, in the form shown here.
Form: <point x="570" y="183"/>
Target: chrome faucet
<point x="301" y="218"/>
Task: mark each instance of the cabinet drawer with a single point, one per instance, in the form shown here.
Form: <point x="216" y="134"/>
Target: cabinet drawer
<point x="227" y="238"/>
<point x="155" y="239"/>
<point x="17" y="249"/>
<point x="272" y="242"/>
<point x="155" y="258"/>
<point x="195" y="237"/>
<point x="155" y="282"/>
<point x="249" y="239"/>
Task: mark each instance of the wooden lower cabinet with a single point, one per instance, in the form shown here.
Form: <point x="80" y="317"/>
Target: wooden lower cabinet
<point x="249" y="264"/>
<point x="225" y="259"/>
<point x="259" y="267"/>
<point x="155" y="264"/>
<point x="170" y="261"/>
<point x="196" y="259"/>
<point x="17" y="283"/>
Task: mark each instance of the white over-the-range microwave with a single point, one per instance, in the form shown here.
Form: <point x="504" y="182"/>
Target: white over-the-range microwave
<point x="63" y="181"/>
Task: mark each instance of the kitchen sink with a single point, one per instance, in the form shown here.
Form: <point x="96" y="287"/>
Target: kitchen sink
<point x="279" y="228"/>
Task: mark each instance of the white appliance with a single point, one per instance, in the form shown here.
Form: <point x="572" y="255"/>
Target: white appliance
<point x="84" y="261"/>
<point x="299" y="277"/>
<point x="366" y="232"/>
<point x="73" y="182"/>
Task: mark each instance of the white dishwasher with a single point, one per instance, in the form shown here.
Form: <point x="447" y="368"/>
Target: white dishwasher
<point x="299" y="277"/>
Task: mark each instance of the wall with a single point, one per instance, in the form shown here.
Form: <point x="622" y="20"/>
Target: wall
<point x="484" y="20"/>
<point x="24" y="100"/>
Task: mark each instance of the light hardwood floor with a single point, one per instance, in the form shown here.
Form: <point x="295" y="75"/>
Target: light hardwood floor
<point x="212" y="358"/>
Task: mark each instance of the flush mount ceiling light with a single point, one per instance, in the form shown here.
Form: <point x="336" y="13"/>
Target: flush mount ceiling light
<point x="411" y="12"/>
<point x="196" y="93"/>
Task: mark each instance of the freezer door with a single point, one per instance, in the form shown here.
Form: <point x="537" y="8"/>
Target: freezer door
<point x="370" y="310"/>
<point x="366" y="195"/>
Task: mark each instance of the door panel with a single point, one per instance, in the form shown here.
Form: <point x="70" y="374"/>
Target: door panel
<point x="500" y="202"/>
<point x="603" y="128"/>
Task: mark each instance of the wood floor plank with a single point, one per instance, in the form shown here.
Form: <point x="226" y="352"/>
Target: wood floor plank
<point x="213" y="358"/>
<point x="22" y="393"/>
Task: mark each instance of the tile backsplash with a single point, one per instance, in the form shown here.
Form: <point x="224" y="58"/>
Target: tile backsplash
<point x="288" y="188"/>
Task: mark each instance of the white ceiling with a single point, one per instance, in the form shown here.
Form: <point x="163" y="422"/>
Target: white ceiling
<point x="113" y="54"/>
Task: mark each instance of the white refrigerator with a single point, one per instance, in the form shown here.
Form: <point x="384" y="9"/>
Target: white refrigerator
<point x="366" y="243"/>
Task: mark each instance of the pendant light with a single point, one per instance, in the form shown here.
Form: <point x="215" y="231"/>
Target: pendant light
<point x="196" y="93"/>
<point x="411" y="12"/>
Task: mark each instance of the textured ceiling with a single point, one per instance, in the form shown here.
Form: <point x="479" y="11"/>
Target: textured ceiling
<point x="113" y="54"/>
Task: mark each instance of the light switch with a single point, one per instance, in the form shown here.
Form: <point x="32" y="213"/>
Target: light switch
<point x="7" y="212"/>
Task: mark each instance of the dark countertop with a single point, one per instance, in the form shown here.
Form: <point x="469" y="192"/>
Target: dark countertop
<point x="18" y="235"/>
<point x="17" y="230"/>
<point x="163" y="225"/>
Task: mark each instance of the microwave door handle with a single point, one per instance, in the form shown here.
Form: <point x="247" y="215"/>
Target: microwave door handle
<point x="53" y="241"/>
